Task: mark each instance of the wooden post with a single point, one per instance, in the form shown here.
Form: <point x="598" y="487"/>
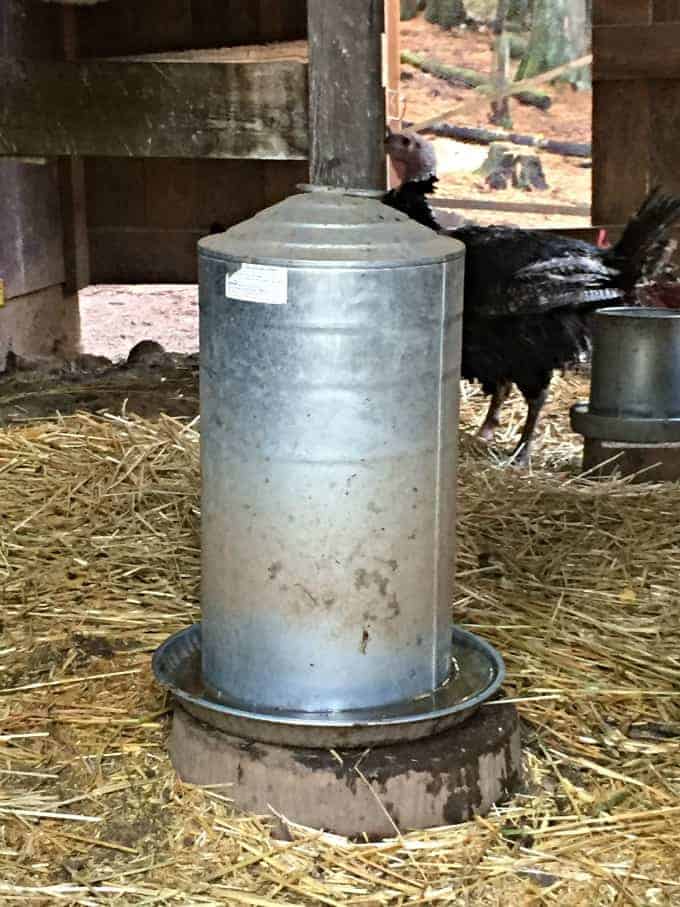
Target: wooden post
<point x="392" y="73"/>
<point x="72" y="187"/>
<point x="346" y="94"/>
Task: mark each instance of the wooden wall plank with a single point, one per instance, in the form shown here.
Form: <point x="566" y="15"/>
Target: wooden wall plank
<point x="239" y="110"/>
<point x="123" y="27"/>
<point x="666" y="11"/>
<point x="76" y="249"/>
<point x="172" y="204"/>
<point x="30" y="32"/>
<point x="129" y="255"/>
<point x="229" y="191"/>
<point x="116" y="195"/>
<point x="281" y="179"/>
<point x="622" y="12"/>
<point x="631" y="52"/>
<point x="282" y="20"/>
<point x="72" y="186"/>
<point x="224" y="22"/>
<point x="664" y="134"/>
<point x="170" y="193"/>
<point x="127" y="27"/>
<point x="31" y="255"/>
<point x="621" y="124"/>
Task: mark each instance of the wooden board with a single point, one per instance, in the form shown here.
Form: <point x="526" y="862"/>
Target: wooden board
<point x="148" y="26"/>
<point x="154" y="109"/>
<point x="30" y="227"/>
<point x="666" y="11"/>
<point x="630" y="52"/>
<point x="346" y="94"/>
<point x="242" y="53"/>
<point x="620" y="149"/>
<point x="622" y="12"/>
<point x="145" y="216"/>
<point x="664" y="135"/>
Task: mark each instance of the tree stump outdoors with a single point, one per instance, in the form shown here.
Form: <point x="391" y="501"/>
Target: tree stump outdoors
<point x="408" y="9"/>
<point x="447" y="13"/>
<point x="528" y="173"/>
<point x="505" y="166"/>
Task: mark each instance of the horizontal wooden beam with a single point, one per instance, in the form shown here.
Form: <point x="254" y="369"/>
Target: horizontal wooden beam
<point x="636" y="52"/>
<point x="480" y="204"/>
<point x="154" y="109"/>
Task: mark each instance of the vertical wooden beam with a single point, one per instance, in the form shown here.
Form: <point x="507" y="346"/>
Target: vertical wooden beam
<point x="666" y="11"/>
<point x="72" y="188"/>
<point x="392" y="60"/>
<point x="621" y="124"/>
<point x="346" y="94"/>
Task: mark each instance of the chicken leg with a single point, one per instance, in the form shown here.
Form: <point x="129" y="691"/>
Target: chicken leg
<point x="522" y="453"/>
<point x="493" y="416"/>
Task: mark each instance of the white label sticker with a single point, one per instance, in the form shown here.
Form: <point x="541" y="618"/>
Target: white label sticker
<point x="258" y="283"/>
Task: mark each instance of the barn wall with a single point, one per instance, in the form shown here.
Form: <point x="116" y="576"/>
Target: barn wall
<point x="38" y="318"/>
<point x="636" y="103"/>
<point x="145" y="216"/>
<point x="131" y="26"/>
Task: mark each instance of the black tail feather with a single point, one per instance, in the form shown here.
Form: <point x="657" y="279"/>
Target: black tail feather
<point x="645" y="245"/>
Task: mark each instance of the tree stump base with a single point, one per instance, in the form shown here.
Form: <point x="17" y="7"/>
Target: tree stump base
<point x="441" y="780"/>
<point x="505" y="167"/>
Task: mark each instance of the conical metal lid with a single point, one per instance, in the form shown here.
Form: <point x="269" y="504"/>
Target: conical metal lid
<point x="332" y="227"/>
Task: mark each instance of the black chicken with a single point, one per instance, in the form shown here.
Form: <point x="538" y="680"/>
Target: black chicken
<point x="528" y="294"/>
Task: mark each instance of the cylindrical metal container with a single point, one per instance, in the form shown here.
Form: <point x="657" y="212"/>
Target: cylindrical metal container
<point x="330" y="353"/>
<point x="633" y="420"/>
<point x="636" y="364"/>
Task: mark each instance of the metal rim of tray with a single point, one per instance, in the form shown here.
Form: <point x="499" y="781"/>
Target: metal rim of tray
<point x="178" y="659"/>
<point x="623" y="429"/>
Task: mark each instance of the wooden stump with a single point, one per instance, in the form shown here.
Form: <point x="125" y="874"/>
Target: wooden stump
<point x="528" y="173"/>
<point x="498" y="166"/>
<point x="505" y="167"/>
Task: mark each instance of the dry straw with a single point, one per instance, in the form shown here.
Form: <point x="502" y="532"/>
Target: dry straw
<point x="578" y="584"/>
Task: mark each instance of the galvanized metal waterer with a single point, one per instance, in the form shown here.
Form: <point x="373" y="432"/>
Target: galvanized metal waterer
<point x="330" y="359"/>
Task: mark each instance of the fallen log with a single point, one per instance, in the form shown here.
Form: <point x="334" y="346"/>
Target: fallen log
<point x="470" y="78"/>
<point x="476" y="136"/>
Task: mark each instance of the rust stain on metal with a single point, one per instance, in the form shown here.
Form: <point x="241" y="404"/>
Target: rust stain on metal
<point x="363" y="645"/>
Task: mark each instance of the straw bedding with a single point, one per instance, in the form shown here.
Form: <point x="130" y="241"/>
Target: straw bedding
<point x="577" y="583"/>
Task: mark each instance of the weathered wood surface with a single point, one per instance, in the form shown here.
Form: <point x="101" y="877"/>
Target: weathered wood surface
<point x="145" y="215"/>
<point x="239" y="110"/>
<point x="482" y="204"/>
<point x="72" y="185"/>
<point x="30" y="227"/>
<point x="146" y="26"/>
<point x="636" y="126"/>
<point x="621" y="147"/>
<point x="622" y="12"/>
<point x="346" y="94"/>
<point x="666" y="11"/>
<point x="631" y="52"/>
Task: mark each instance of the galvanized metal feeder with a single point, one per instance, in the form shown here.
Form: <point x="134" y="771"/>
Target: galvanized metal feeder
<point x="330" y="357"/>
<point x="632" y="423"/>
<point x="330" y="361"/>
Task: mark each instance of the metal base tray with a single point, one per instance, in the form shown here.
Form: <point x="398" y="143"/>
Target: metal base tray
<point x="622" y="428"/>
<point x="477" y="673"/>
